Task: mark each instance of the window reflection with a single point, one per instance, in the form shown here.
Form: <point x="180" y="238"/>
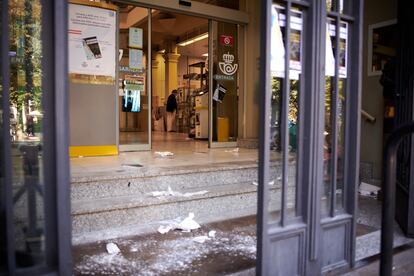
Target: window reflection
<point x="330" y="156"/>
<point x="278" y="82"/>
<point x="26" y="130"/>
<point x="332" y="5"/>
<point x="3" y="239"/>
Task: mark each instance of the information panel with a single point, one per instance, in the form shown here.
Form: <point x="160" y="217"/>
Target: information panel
<point x="92" y="40"/>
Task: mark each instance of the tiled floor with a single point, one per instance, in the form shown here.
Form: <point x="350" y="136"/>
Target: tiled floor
<point x="186" y="152"/>
<point x="369" y="222"/>
<point x="402" y="264"/>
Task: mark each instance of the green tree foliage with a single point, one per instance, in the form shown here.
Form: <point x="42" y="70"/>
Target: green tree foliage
<point x="277" y="86"/>
<point x="26" y="53"/>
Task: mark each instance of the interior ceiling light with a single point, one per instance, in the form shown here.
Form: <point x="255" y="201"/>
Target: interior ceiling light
<point x="205" y="55"/>
<point x="192" y="40"/>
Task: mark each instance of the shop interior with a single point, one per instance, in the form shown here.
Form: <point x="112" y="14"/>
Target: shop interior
<point x="179" y="61"/>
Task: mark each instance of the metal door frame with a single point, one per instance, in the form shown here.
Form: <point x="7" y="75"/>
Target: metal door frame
<point x="312" y="235"/>
<point x="58" y="259"/>
<point x="197" y="9"/>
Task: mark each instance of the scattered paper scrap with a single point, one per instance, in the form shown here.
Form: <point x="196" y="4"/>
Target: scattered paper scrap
<point x="170" y="192"/>
<point x="212" y="234"/>
<point x="112" y="248"/>
<point x="164" y="229"/>
<point x="185" y="225"/>
<point x="188" y="223"/>
<point x="271" y="183"/>
<point x="366" y="189"/>
<point x="164" y="153"/>
<point x="194" y="194"/>
<point x="236" y="150"/>
<point x="201" y="239"/>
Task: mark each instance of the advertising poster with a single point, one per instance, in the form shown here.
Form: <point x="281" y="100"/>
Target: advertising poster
<point x="91" y="38"/>
<point x="135" y="59"/>
<point x="277" y="64"/>
<point x="331" y="49"/>
<point x="135" y="38"/>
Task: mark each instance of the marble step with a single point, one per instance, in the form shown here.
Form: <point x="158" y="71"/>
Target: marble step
<point x="126" y="215"/>
<point x="136" y="181"/>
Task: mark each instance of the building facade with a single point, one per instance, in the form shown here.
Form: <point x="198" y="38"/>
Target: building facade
<point x="80" y="78"/>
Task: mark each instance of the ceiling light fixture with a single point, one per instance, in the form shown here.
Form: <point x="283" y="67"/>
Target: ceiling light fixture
<point x="192" y="40"/>
<point x="205" y="55"/>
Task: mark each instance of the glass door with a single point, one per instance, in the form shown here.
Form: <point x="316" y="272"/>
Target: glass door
<point x="309" y="128"/>
<point x="134" y="85"/>
<point x="224" y="84"/>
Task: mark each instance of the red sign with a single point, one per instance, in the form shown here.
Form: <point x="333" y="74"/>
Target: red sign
<point x="226" y="40"/>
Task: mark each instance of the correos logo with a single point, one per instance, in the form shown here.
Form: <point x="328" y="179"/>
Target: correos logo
<point x="227" y="67"/>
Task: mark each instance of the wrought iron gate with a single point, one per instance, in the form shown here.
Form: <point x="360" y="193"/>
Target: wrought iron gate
<point x="306" y="224"/>
<point x="404" y="99"/>
<point x="34" y="165"/>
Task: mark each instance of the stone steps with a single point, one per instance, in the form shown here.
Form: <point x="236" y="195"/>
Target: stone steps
<point x="144" y="180"/>
<point x="107" y="207"/>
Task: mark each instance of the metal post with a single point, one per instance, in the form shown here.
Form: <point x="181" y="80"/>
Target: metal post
<point x="285" y="118"/>
<point x="6" y="145"/>
<point x="58" y="224"/>
<point x="264" y="141"/>
<point x="388" y="204"/>
<point x="149" y="78"/>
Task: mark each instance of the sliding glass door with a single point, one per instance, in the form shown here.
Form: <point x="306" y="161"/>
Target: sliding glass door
<point x="224" y="84"/>
<point x="134" y="82"/>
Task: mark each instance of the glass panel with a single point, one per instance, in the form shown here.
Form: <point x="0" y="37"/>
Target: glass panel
<point x="26" y="116"/>
<point x="133" y="82"/>
<point x="330" y="96"/>
<point x="180" y="98"/>
<point x="225" y="81"/>
<point x="3" y="238"/>
<point x="341" y="145"/>
<point x="231" y="4"/>
<point x="334" y="5"/>
<point x="278" y="76"/>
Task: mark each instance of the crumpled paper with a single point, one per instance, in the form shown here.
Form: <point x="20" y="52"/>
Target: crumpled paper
<point x="201" y="239"/>
<point x="185" y="225"/>
<point x="164" y="153"/>
<point x="236" y="150"/>
<point x="112" y="248"/>
<point x="271" y="183"/>
<point x="212" y="234"/>
<point x="164" y="229"/>
<point x="170" y="192"/>
<point x="188" y="223"/>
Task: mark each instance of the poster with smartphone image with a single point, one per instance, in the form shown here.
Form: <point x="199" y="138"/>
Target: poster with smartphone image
<point x="92" y="40"/>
